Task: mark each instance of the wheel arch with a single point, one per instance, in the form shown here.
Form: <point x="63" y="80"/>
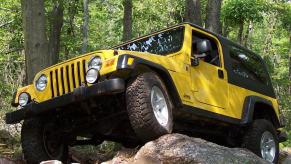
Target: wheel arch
<point x="258" y="108"/>
<point x="141" y="65"/>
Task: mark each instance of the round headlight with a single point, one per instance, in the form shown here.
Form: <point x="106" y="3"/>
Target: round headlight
<point x="23" y="99"/>
<point x="41" y="83"/>
<point x="95" y="62"/>
<point x="92" y="76"/>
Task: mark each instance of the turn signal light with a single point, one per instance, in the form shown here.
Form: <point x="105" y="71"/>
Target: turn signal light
<point x="109" y="62"/>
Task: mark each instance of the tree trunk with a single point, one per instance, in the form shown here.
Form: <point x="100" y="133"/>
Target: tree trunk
<point x="85" y="26"/>
<point x="39" y="51"/>
<point x="240" y="32"/>
<point x="270" y="33"/>
<point x="248" y="34"/>
<point x="72" y="11"/>
<point x="289" y="74"/>
<point x="289" y="64"/>
<point x="35" y="40"/>
<point x="193" y="12"/>
<point x="225" y="31"/>
<point x="213" y="16"/>
<point x="70" y="31"/>
<point x="127" y="20"/>
<point x="57" y="16"/>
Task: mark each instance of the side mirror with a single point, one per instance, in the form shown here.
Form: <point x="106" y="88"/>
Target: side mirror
<point x="194" y="61"/>
<point x="200" y="49"/>
<point x="203" y="46"/>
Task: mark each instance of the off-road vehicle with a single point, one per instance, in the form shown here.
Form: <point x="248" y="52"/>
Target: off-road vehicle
<point x="181" y="79"/>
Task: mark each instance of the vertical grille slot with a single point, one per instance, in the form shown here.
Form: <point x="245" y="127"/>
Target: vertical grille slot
<point x="57" y="82"/>
<point x="73" y="76"/>
<point x="54" y="79"/>
<point x="62" y="80"/>
<point x="84" y="71"/>
<point x="68" y="79"/>
<point x="52" y="83"/>
<point x="65" y="80"/>
<point x="79" y="73"/>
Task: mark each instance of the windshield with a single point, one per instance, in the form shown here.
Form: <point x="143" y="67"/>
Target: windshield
<point x="162" y="43"/>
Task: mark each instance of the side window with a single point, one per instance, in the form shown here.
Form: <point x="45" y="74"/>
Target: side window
<point x="212" y="57"/>
<point x="247" y="65"/>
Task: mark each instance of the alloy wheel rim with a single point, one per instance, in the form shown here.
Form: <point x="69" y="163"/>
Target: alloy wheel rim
<point x="268" y="146"/>
<point x="159" y="106"/>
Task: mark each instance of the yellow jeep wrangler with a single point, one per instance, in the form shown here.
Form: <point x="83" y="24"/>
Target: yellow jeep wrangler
<point x="181" y="79"/>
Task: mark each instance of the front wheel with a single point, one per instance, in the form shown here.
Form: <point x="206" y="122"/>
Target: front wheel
<point x="261" y="139"/>
<point x="149" y="107"/>
<point x="41" y="142"/>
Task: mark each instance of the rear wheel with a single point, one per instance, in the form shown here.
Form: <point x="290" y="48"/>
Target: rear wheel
<point x="149" y="107"/>
<point x="40" y="142"/>
<point x="261" y="139"/>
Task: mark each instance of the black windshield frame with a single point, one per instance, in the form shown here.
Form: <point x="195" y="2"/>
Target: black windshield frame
<point x="175" y="36"/>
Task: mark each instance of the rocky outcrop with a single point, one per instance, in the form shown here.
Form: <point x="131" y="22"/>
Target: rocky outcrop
<point x="171" y="149"/>
<point x="178" y="148"/>
<point x="285" y="156"/>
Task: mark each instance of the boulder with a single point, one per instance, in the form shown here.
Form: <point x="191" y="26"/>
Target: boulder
<point x="178" y="148"/>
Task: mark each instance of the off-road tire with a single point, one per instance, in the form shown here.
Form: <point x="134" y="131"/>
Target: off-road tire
<point x="32" y="141"/>
<point x="252" y="138"/>
<point x="139" y="108"/>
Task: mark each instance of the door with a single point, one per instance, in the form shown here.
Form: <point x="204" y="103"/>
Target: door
<point x="209" y="78"/>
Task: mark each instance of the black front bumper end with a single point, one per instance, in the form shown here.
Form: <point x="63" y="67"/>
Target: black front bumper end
<point x="107" y="87"/>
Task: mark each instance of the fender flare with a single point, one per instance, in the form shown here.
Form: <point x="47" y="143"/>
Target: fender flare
<point x="162" y="72"/>
<point x="249" y="108"/>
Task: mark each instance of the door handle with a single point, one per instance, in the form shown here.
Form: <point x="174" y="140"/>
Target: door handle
<point x="220" y="74"/>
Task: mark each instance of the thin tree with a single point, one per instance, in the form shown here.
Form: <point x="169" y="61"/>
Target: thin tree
<point x="40" y="51"/>
<point x="127" y="20"/>
<point x="85" y="25"/>
<point x="193" y="12"/>
<point x="248" y="34"/>
<point x="70" y="30"/>
<point x="289" y="63"/>
<point x="56" y="21"/>
<point x="213" y="16"/>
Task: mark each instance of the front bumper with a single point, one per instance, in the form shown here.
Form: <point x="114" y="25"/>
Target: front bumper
<point x="107" y="87"/>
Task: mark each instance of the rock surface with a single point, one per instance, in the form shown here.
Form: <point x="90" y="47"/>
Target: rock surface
<point x="171" y="149"/>
<point x="285" y="156"/>
<point x="178" y="148"/>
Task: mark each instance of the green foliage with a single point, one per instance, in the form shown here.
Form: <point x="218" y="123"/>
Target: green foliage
<point x="288" y="142"/>
<point x="11" y="44"/>
<point x="10" y="29"/>
<point x="163" y="14"/>
<point x="284" y="11"/>
<point x="238" y="11"/>
<point x="105" y="151"/>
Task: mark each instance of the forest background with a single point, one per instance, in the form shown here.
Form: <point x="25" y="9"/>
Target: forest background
<point x="62" y="29"/>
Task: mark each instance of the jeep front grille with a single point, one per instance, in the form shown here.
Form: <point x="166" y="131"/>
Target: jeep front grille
<point x="68" y="77"/>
